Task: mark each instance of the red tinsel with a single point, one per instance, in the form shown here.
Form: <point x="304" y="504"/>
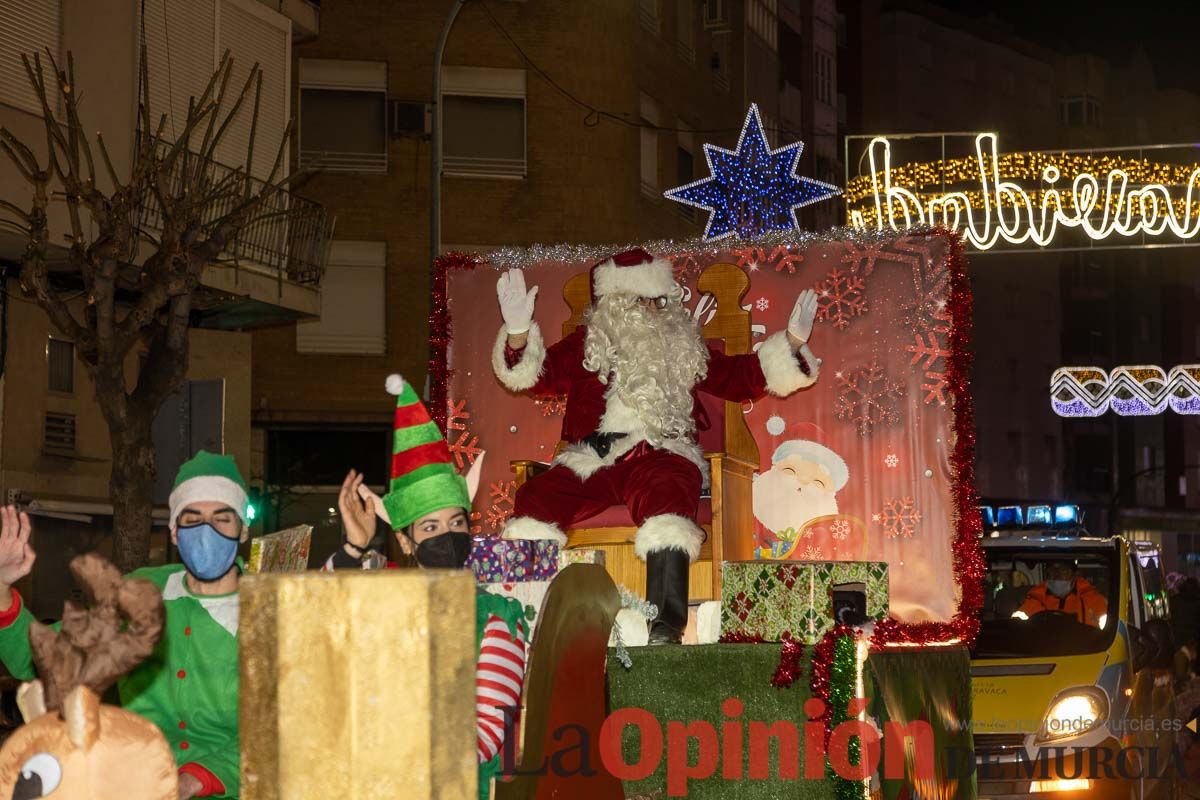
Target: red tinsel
<point x="789" y="656"/>
<point x="819" y="677"/>
<point x="440" y="332"/>
<point x="969" y="566"/>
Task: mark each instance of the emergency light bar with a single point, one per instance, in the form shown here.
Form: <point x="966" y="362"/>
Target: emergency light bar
<point x="1009" y="517"/>
<point x="1038" y="515"/>
<point x="1018" y="517"/>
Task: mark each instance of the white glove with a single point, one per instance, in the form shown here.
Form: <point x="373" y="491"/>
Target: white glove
<point x="516" y="304"/>
<point x="800" y="323"/>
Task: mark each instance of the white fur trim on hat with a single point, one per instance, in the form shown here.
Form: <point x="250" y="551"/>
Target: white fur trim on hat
<point x="530" y="528"/>
<point x="667" y="532"/>
<point x="208" y="489"/>
<point x="394" y="384"/>
<point x="781" y="367"/>
<point x="655" y="279"/>
<point x="817" y="454"/>
<point x="525" y="373"/>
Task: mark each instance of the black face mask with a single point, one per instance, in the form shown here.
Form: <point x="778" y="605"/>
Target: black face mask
<point x="444" y="551"/>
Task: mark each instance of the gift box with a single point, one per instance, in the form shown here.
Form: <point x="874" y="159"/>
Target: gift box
<point x="579" y="555"/>
<point x="531" y="595"/>
<point x="512" y="560"/>
<point x="333" y="663"/>
<point x="769" y="598"/>
<point x="282" y="551"/>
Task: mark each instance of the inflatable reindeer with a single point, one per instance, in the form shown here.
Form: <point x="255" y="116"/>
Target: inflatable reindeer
<point x="72" y="747"/>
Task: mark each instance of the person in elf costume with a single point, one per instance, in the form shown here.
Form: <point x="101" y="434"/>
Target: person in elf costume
<point x="188" y="687"/>
<point x="428" y="506"/>
<point x="632" y="373"/>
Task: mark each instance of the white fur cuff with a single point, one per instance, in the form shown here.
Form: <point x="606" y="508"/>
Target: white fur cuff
<point x="207" y="489"/>
<point x="666" y="532"/>
<point x="525" y="373"/>
<point x="530" y="528"/>
<point x="782" y="368"/>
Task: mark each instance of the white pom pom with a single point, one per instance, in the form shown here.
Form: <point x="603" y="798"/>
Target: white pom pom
<point x="394" y="384"/>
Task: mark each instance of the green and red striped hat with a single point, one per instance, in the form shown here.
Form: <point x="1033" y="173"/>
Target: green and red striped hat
<point x="424" y="479"/>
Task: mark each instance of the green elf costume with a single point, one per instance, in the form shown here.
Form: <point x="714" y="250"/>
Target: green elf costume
<point x="188" y="687"/>
<point x="424" y="481"/>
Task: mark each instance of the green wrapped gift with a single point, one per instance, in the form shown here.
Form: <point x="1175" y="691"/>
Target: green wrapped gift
<point x="769" y="598"/>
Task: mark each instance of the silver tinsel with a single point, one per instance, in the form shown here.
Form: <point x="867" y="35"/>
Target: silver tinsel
<point x="643" y="607"/>
<point x="522" y="257"/>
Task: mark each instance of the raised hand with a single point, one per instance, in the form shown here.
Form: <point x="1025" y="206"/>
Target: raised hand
<point x="16" y="554"/>
<point x="516" y="304"/>
<point x="358" y="513"/>
<point x="800" y="323"/>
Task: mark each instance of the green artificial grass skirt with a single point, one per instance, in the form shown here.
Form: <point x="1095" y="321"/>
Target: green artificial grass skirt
<point x="683" y="684"/>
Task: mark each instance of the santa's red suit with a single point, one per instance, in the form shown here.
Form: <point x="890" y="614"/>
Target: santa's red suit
<point x="608" y="459"/>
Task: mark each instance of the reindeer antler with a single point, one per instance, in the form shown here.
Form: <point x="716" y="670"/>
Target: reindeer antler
<point x="100" y="643"/>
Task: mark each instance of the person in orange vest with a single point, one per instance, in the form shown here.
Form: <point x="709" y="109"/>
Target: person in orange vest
<point x="1065" y="591"/>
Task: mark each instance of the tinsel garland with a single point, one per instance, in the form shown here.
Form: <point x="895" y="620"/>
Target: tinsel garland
<point x="645" y="608"/>
<point x="833" y="680"/>
<point x="790" y="653"/>
<point x="440" y="332"/>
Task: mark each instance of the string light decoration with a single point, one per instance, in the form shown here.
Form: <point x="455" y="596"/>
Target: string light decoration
<point x="751" y="189"/>
<point x="1101" y="195"/>
<point x="1138" y="391"/>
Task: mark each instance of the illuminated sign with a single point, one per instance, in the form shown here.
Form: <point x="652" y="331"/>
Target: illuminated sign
<point x="1027" y="198"/>
<point x="1128" y="391"/>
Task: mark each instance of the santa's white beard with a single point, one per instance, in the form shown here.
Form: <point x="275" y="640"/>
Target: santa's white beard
<point x="653" y="358"/>
<point x="779" y="503"/>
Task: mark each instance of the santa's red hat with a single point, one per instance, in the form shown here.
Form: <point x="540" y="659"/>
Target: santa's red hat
<point x="633" y="272"/>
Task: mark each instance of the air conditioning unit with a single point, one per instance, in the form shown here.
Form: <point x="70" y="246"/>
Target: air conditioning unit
<point x="716" y="15"/>
<point x="409" y="119"/>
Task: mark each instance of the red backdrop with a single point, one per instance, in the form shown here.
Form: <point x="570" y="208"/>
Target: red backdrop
<point x="891" y="332"/>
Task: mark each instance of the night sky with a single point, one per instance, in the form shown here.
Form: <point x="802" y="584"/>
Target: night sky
<point x="1164" y="28"/>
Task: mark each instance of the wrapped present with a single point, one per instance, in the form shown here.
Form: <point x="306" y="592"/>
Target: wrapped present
<point x="769" y="598"/>
<point x="579" y="555"/>
<point x="283" y="551"/>
<point x="332" y="661"/>
<point x="531" y="594"/>
<point x="512" y="560"/>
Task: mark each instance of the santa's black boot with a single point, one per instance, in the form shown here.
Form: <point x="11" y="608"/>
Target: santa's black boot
<point x="667" y="588"/>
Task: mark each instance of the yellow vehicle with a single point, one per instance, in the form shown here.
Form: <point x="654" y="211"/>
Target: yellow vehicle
<point x="1071" y="673"/>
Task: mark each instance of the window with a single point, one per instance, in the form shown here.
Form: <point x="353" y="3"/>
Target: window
<point x="29" y="26"/>
<point x="761" y="15"/>
<point x="823" y="77"/>
<point x="59" y="433"/>
<point x="685" y="30"/>
<point x="198" y="33"/>
<point x="1080" y="112"/>
<point x="60" y="363"/>
<point x="649" y="146"/>
<point x="714" y="14"/>
<point x="353" y="318"/>
<point x="648" y="14"/>
<point x="720" y="62"/>
<point x="483" y="122"/>
<point x="342" y="115"/>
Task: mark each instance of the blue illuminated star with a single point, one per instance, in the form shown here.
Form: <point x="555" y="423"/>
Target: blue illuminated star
<point x="751" y="189"/>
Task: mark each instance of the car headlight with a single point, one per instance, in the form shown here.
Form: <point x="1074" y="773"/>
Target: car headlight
<point x="1074" y="712"/>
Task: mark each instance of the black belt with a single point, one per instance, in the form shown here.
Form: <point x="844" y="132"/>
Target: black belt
<point x="602" y="442"/>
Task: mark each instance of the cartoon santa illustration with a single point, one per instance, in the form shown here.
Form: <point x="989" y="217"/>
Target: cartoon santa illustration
<point x="796" y="502"/>
<point x="631" y="374"/>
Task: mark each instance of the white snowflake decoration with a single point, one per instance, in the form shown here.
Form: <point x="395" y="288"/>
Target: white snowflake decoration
<point x="811" y="553"/>
<point x="892" y="460"/>
<point x="840" y="530"/>
<point x="762" y="304"/>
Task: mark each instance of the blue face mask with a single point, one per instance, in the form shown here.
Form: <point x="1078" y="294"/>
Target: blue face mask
<point x="206" y="552"/>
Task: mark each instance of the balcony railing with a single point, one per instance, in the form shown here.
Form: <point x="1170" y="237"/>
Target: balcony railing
<point x="288" y="235"/>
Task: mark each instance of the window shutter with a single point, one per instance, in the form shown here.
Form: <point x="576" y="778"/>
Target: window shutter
<point x="179" y="58"/>
<point x="26" y="26"/>
<point x="252" y="33"/>
<point x="353" y="315"/>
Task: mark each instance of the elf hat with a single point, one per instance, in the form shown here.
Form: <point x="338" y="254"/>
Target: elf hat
<point x="634" y="272"/>
<point x="423" y="477"/>
<point x="208" y="478"/>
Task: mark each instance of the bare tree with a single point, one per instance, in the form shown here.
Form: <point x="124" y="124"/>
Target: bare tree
<point x="199" y="212"/>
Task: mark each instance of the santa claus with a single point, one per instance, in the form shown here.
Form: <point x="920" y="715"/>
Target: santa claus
<point x="631" y="373"/>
